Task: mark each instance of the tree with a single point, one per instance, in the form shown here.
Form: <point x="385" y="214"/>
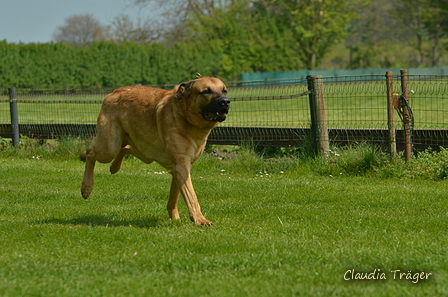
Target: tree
<point x="80" y="30"/>
<point x="366" y="34"/>
<point x="316" y="24"/>
<point x="423" y="28"/>
<point x="248" y="37"/>
<point x="176" y="13"/>
<point x="443" y="5"/>
<point x="142" y="31"/>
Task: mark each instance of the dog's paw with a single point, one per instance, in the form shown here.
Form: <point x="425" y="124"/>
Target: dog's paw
<point x="85" y="191"/>
<point x="114" y="169"/>
<point x="203" y="222"/>
<point x="85" y="195"/>
<point x="174" y="215"/>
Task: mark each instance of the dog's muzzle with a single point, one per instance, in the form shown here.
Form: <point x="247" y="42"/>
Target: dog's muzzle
<point x="217" y="110"/>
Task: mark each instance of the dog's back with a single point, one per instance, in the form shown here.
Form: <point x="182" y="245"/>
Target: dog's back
<point x="136" y="94"/>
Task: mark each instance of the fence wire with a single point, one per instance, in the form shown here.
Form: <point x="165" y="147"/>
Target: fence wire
<point x="269" y="106"/>
<point x="428" y="97"/>
<point x="357" y="102"/>
<point x="275" y="112"/>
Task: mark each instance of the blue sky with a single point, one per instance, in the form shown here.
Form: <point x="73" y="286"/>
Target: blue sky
<point x="36" y="20"/>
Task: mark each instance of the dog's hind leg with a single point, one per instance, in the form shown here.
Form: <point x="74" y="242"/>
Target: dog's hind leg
<point x="105" y="147"/>
<point x="116" y="164"/>
<point x="87" y="182"/>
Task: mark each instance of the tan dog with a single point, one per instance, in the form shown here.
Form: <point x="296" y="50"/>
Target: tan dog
<point x="169" y="127"/>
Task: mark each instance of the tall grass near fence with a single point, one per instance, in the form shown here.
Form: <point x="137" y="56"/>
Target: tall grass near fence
<point x="363" y="159"/>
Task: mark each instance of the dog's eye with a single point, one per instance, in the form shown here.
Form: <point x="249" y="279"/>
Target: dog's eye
<point x="207" y="92"/>
<point x="224" y="91"/>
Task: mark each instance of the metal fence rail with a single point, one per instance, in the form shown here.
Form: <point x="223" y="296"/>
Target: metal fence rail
<point x="267" y="112"/>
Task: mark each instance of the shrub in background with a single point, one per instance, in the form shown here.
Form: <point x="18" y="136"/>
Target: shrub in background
<point x="427" y="164"/>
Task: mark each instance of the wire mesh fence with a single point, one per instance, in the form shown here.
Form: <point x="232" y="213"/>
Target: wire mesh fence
<point x="274" y="112"/>
<point x="356" y="102"/>
<point x="269" y="106"/>
<point x="75" y="106"/>
<point x="357" y="109"/>
<point x="428" y="98"/>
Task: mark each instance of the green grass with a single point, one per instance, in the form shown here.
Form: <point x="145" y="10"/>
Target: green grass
<point x="282" y="227"/>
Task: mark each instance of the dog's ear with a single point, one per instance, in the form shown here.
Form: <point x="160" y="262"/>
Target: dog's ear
<point x="184" y="89"/>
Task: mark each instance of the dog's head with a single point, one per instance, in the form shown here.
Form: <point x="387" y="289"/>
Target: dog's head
<point x="204" y="100"/>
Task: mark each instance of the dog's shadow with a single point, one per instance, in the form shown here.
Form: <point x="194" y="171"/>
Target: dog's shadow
<point x="103" y="221"/>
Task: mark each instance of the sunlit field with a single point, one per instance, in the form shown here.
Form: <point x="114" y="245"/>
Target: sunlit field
<point x="282" y="227"/>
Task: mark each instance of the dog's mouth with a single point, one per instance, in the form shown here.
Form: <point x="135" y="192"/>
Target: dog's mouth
<point x="217" y="110"/>
<point x="218" y="116"/>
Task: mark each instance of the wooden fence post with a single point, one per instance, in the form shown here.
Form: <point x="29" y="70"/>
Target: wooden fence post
<point x="390" y="115"/>
<point x="14" y="117"/>
<point x="319" y="127"/>
<point x="406" y="116"/>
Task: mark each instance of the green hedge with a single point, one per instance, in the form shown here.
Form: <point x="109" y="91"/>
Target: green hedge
<point x="59" y="65"/>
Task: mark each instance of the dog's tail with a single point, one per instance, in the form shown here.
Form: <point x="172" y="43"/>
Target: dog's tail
<point x="83" y="156"/>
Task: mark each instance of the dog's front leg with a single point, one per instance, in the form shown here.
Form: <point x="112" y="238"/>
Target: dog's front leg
<point x="172" y="202"/>
<point x="182" y="178"/>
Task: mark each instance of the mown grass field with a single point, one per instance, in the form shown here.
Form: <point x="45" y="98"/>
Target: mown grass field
<point x="282" y="227"/>
<point x="348" y="105"/>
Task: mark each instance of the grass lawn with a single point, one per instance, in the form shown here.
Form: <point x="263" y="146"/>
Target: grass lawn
<point x="280" y="232"/>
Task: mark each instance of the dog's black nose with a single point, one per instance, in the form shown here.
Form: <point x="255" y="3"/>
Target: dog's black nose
<point x="224" y="101"/>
